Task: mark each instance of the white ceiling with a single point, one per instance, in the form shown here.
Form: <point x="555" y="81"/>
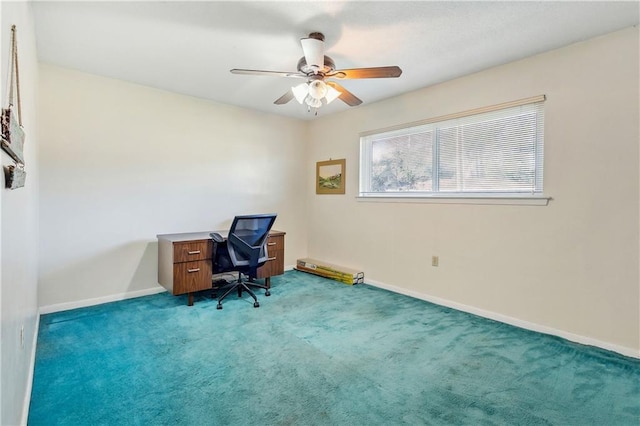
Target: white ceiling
<point x="189" y="47"/>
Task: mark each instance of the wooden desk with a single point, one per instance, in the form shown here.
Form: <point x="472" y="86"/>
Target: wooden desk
<point x="184" y="261"/>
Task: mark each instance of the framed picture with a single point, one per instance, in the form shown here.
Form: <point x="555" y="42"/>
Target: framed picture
<point x="330" y="176"/>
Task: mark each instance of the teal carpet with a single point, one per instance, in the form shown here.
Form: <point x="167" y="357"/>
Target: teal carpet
<point x="317" y="352"/>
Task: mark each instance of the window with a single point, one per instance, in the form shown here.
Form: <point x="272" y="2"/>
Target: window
<point x="493" y="152"/>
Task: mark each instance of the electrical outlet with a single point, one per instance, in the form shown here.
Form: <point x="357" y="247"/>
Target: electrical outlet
<point x="22" y="336"/>
<point x="434" y="260"/>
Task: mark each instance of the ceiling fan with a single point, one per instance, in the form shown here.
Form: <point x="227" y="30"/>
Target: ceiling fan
<point x="317" y="68"/>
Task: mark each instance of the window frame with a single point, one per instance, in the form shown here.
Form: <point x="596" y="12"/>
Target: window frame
<point x="535" y="197"/>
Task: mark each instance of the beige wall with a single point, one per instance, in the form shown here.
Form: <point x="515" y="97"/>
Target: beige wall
<point x="121" y="163"/>
<point x="19" y="227"/>
<point x="571" y="267"/>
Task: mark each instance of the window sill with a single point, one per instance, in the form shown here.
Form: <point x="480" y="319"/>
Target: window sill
<point x="510" y="200"/>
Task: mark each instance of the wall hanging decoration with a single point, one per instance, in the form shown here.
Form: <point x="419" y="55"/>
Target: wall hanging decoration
<point x="14" y="176"/>
<point x="330" y="176"/>
<point x="12" y="131"/>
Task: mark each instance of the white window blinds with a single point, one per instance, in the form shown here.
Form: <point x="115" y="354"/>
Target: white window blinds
<point x="497" y="151"/>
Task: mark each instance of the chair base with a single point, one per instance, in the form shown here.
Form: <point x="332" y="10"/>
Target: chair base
<point x="241" y="286"/>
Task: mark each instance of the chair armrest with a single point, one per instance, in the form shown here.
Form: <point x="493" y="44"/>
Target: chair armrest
<point x="216" y="237"/>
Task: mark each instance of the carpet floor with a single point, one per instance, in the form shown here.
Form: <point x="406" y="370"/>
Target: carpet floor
<point x="317" y="352"/>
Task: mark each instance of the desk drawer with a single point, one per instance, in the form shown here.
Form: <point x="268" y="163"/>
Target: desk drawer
<point x="275" y="264"/>
<point x="192" y="250"/>
<point x="191" y="276"/>
<point x="275" y="243"/>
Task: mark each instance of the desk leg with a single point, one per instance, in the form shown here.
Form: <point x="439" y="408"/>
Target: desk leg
<point x="190" y="299"/>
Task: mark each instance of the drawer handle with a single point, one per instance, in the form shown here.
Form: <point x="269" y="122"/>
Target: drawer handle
<point x="271" y="258"/>
<point x="194" y="252"/>
<point x="193" y="270"/>
<point x="271" y="244"/>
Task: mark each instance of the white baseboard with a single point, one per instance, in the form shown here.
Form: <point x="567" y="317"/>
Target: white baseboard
<point x="32" y="366"/>
<point x="630" y="352"/>
<point x="99" y="300"/>
<point x="59" y="307"/>
<point x="623" y="350"/>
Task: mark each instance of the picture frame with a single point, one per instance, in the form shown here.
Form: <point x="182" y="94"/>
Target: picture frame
<point x="330" y="176"/>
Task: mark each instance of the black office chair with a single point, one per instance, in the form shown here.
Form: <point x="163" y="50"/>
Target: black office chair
<point x="244" y="251"/>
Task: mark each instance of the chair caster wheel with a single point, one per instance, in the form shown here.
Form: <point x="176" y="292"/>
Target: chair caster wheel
<point x="256" y="305"/>
<point x="266" y="293"/>
<point x="219" y="306"/>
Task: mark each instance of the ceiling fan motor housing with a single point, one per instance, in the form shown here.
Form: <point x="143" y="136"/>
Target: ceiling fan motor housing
<point x="329" y="66"/>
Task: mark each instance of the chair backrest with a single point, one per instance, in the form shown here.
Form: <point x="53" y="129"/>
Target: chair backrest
<point x="247" y="240"/>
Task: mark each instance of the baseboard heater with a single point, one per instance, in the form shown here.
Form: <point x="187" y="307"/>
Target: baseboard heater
<point x="339" y="273"/>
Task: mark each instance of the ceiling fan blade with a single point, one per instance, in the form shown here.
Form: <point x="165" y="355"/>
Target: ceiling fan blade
<point x="377" y="72"/>
<point x="269" y="73"/>
<point x="313" y="49"/>
<point x="345" y="96"/>
<point x="284" y="98"/>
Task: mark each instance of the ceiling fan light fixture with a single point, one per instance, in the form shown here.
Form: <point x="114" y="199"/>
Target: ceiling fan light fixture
<point x="317" y="89"/>
<point x="332" y="94"/>
<point x="313" y="102"/>
<point x="313" y="92"/>
<point x="300" y="92"/>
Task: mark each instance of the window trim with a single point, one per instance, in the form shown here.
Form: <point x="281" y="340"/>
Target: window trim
<point x="504" y="198"/>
